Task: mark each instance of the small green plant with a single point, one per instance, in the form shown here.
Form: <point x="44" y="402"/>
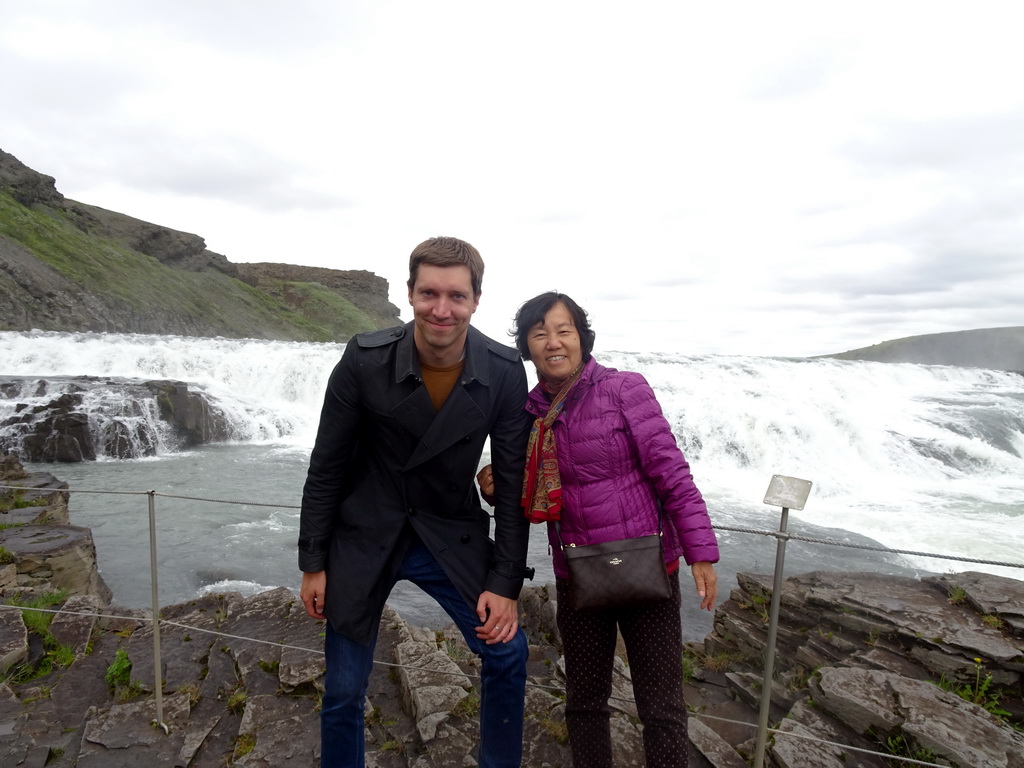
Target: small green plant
<point x="20" y="674"/>
<point x="468" y="707"/>
<point x="236" y="701"/>
<point x="119" y="673"/>
<point x="991" y="620"/>
<point x="556" y="729"/>
<point x="393" y="745"/>
<point x="16" y="500"/>
<point x="62" y="655"/>
<point x="758" y="605"/>
<point x="119" y="678"/>
<point x="244" y="744"/>
<point x="127" y="693"/>
<point x="372" y="717"/>
<point x="44" y="692"/>
<point x="192" y="690"/>
<point x="37" y="621"/>
<point x="6" y="556"/>
<point x="720" y="662"/>
<point x="798" y="678"/>
<point x="978" y="692"/>
<point x="957" y="595"/>
<point x="899" y="746"/>
<point x="454" y="650"/>
<point x="307" y="690"/>
<point x="689" y="666"/>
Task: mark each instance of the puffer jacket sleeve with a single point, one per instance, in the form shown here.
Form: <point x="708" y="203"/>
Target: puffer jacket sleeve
<point x="668" y="471"/>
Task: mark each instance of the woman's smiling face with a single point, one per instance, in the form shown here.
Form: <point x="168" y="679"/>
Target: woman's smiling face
<point x="555" y="345"/>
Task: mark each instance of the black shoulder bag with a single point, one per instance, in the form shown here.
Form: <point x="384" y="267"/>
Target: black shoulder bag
<point x="616" y="573"/>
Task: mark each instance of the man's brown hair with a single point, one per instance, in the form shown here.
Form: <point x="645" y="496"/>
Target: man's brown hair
<point x="448" y="252"/>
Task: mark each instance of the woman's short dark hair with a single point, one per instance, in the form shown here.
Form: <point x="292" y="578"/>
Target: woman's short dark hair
<point x="533" y="311"/>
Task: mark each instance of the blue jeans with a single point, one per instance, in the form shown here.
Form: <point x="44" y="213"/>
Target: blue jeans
<point x="502" y="678"/>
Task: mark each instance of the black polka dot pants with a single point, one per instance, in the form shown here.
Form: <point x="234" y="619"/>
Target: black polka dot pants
<point x="654" y="647"/>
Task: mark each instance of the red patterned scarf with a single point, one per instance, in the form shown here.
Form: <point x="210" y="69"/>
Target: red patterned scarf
<point x="542" y="485"/>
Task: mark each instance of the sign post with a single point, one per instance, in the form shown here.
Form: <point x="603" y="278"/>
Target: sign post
<point x="788" y="493"/>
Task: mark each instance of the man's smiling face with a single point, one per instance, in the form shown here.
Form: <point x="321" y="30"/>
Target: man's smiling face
<point x="442" y="303"/>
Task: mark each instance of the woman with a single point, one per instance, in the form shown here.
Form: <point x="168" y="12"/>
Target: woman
<point x="602" y="460"/>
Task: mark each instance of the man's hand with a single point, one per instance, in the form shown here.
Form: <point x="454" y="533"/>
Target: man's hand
<point x="706" y="581"/>
<point x="314" y="587"/>
<point x="499" y="617"/>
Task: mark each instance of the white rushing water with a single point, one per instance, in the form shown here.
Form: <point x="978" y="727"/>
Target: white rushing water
<point x="921" y="458"/>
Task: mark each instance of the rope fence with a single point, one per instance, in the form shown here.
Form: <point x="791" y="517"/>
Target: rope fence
<point x="781" y="536"/>
<point x="549" y="688"/>
<point x="887" y="550"/>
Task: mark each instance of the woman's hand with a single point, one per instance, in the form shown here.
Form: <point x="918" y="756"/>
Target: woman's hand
<point x="706" y="581"/>
<point x="486" y="479"/>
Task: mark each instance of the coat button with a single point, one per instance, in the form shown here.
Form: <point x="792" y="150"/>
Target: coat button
<point x="412" y="511"/>
<point x="464" y="538"/>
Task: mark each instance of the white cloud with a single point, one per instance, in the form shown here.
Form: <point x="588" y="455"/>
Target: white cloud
<point x="791" y="178"/>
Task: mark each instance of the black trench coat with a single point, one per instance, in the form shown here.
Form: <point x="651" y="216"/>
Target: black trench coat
<point x="385" y="464"/>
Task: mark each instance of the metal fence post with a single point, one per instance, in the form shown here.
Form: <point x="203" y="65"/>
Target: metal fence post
<point x="788" y="492"/>
<point x="159" y="684"/>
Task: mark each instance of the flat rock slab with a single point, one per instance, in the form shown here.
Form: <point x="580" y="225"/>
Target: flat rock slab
<point x="45" y="540"/>
<point x="956" y="730"/>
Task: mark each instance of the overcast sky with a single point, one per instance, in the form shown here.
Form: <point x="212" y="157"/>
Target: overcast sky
<point x="737" y="178"/>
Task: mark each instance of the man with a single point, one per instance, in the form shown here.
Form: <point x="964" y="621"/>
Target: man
<point x="390" y="495"/>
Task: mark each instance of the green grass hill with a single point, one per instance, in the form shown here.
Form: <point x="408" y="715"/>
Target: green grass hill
<point x="68" y="266"/>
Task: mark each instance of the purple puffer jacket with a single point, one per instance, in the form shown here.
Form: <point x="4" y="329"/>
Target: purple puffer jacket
<point x="616" y="457"/>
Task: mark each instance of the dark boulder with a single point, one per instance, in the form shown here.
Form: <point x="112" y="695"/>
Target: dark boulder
<point x="71" y="419"/>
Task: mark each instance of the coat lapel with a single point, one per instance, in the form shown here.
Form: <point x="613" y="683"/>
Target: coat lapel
<point x="416" y="412"/>
<point x="460" y="415"/>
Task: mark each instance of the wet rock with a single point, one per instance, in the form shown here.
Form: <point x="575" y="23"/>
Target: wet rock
<point x="13" y="640"/>
<point x="870" y="651"/>
<point x="73" y="629"/>
<point x="867" y="668"/>
<point x="885" y="705"/>
<point x="78" y="418"/>
<point x="57" y="557"/>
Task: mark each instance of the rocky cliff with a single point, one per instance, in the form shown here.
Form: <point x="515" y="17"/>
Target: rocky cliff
<point x="69" y="266"/>
<point x="869" y="669"/>
<point x="999" y="349"/>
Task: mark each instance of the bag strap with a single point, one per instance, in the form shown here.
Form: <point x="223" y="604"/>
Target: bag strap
<point x="558" y="527"/>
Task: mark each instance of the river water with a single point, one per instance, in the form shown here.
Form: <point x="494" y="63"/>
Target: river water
<point x="921" y="458"/>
